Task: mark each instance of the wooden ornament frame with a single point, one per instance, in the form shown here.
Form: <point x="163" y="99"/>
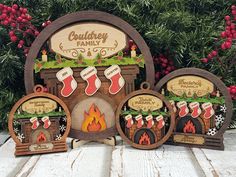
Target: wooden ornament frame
<point x="80" y="17"/>
<point x="83" y="16"/>
<point x="206" y="141"/>
<point x="23" y="148"/>
<point x="145" y="90"/>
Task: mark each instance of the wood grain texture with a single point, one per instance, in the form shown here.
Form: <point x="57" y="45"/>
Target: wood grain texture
<point x="99" y="160"/>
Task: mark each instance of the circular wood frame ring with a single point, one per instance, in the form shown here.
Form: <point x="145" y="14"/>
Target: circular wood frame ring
<point x="212" y="78"/>
<point x="35" y="95"/>
<point x="78" y="134"/>
<point x="172" y="119"/>
<point x="81" y="17"/>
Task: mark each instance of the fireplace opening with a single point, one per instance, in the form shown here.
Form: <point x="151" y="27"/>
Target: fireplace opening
<point x="188" y="124"/>
<point x="144" y="137"/>
<point x="41" y="138"/>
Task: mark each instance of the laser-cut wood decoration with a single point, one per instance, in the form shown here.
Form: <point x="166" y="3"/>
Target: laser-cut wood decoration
<point x="39" y="123"/>
<point x="202" y="105"/>
<point x="145" y="119"/>
<point x="89" y="54"/>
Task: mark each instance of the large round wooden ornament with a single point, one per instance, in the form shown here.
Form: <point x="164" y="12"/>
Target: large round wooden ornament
<point x="39" y="123"/>
<point x="202" y="105"/>
<point x="145" y="119"/>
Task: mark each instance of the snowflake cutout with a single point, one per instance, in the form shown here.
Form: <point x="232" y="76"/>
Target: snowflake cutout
<point x="211" y="131"/>
<point x="58" y="137"/>
<point x="223" y="108"/>
<point x="62" y="128"/>
<point x="64" y="119"/>
<point x="20" y="137"/>
<point x="16" y="130"/>
<point x="15" y="123"/>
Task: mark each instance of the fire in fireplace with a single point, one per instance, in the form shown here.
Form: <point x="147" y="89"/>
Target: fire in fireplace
<point x="144" y="136"/>
<point x="189" y="127"/>
<point x="41" y="138"/>
<point x="144" y="139"/>
<point x="94" y="120"/>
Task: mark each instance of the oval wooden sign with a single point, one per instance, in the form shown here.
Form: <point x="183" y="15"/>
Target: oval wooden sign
<point x="89" y="39"/>
<point x="190" y="85"/>
<point x="145" y="103"/>
<point x="39" y="105"/>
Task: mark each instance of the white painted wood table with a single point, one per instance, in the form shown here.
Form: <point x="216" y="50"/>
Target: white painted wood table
<point x="99" y="160"/>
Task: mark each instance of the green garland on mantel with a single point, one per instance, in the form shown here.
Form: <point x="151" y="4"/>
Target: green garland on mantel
<point x="144" y="113"/>
<point x="27" y="115"/>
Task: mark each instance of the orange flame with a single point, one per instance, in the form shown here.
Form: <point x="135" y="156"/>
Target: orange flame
<point x="44" y="52"/>
<point x="144" y="139"/>
<point x="41" y="138"/>
<point x="189" y="127"/>
<point x="133" y="47"/>
<point x="94" y="121"/>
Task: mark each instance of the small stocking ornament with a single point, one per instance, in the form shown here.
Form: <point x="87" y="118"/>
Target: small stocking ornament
<point x="209" y="111"/>
<point x="139" y="119"/>
<point x="35" y="122"/>
<point x="129" y="120"/>
<point x="150" y="121"/>
<point x="46" y="122"/>
<point x="160" y="122"/>
<point x="117" y="81"/>
<point x="172" y="102"/>
<point x="196" y="111"/>
<point x="182" y="105"/>
<point x="89" y="74"/>
<point x="65" y="75"/>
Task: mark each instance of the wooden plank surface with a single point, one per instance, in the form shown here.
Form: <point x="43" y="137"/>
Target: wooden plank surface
<point x="99" y="160"/>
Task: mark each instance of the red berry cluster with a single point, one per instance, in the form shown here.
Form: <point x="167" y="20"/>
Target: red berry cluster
<point x="232" y="91"/>
<point x="228" y="35"/>
<point x="166" y="66"/>
<point x="17" y="21"/>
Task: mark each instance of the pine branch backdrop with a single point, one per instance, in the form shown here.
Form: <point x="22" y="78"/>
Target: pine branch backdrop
<point x="183" y="31"/>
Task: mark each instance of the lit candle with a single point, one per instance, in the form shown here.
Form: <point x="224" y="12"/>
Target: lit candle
<point x="44" y="56"/>
<point x="133" y="51"/>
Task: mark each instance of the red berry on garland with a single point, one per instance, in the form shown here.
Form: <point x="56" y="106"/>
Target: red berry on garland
<point x="233" y="7"/>
<point x="227" y="17"/>
<point x="163" y="65"/>
<point x="44" y="24"/>
<point x="210" y="56"/>
<point x="234" y="12"/>
<point x="36" y="33"/>
<point x="6" y="22"/>
<point x="15" y="6"/>
<point x="19" y="46"/>
<point x="204" y="60"/>
<point x="214" y="53"/>
<point x="3" y="16"/>
<point x="223" y="47"/>
<point x="228" y="23"/>
<point x="24" y="10"/>
<point x="223" y="34"/>
<point x="11" y="33"/>
<point x="233" y="90"/>
<point x="14" y="38"/>
<point x="21" y="42"/>
<point x="232" y="26"/>
<point x="48" y="22"/>
<point x="1" y="6"/>
<point x="228" y="45"/>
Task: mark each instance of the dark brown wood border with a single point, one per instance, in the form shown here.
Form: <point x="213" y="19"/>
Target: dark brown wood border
<point x="219" y="84"/>
<point x="172" y="119"/>
<point x="81" y="17"/>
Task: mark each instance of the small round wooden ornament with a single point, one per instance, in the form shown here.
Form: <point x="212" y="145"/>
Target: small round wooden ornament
<point x="145" y="119"/>
<point x="202" y="104"/>
<point x="39" y="123"/>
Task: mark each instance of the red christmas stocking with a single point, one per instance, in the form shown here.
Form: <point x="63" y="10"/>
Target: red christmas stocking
<point x="35" y="122"/>
<point x="196" y="111"/>
<point x="129" y="120"/>
<point x="139" y="119"/>
<point x="65" y="75"/>
<point x="172" y="102"/>
<point x="182" y="105"/>
<point x="117" y="81"/>
<point x="46" y="122"/>
<point x="150" y="121"/>
<point x="89" y="74"/>
<point x="161" y="122"/>
<point x="209" y="111"/>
